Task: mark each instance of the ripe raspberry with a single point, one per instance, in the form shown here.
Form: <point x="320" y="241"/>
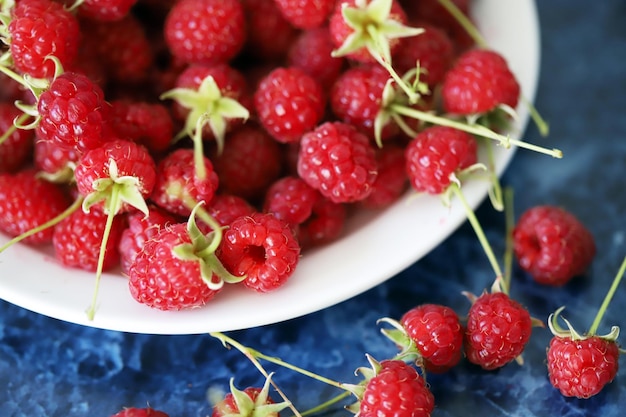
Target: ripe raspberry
<point x="140" y="229"/>
<point x="552" y="245"/>
<point x="262" y="248"/>
<point x="269" y="33"/>
<point x="251" y="161"/>
<point x="140" y="412"/>
<point x="106" y="10"/>
<point x="78" y="237"/>
<point x="148" y="124"/>
<point x="312" y="51"/>
<point x="478" y="82"/>
<point x="357" y="98"/>
<point x="435" y="155"/>
<point x="306" y="14"/>
<point x="38" y="29"/>
<point x="581" y="368"/>
<point x="27" y="202"/>
<point x="437" y="334"/>
<point x="251" y="401"/>
<point x="55" y="160"/>
<point x="73" y="112"/>
<point x="290" y="199"/>
<point x="205" y="31"/>
<point x="397" y="390"/>
<point x="325" y="224"/>
<point x="16" y="149"/>
<point x="338" y="161"/>
<point x="225" y="208"/>
<point x="176" y="183"/>
<point x="392" y="181"/>
<point x="498" y="329"/>
<point x="289" y="103"/>
<point x="161" y="278"/>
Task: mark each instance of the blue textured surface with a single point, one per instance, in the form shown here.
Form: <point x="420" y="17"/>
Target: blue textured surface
<point x="51" y="368"/>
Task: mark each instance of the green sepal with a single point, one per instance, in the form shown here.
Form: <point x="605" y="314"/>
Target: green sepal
<point x="257" y="408"/>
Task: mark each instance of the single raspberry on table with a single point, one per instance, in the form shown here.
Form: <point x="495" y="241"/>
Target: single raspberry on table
<point x="552" y="245"/>
<point x="205" y="31"/>
<point x="27" y="202"/>
<point x="262" y="248"/>
<point x="39" y="29"/>
<point x="290" y="199"/>
<point x="289" y="103"/>
<point x="437" y="333"/>
<point x="306" y="14"/>
<point x="436" y="155"/>
<point x="140" y="412"/>
<point x="338" y="161"/>
<point x="497" y="330"/>
<point x="478" y="82"/>
<point x="16" y="150"/>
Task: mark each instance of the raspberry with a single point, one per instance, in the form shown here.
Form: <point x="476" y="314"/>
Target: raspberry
<point x="269" y="33"/>
<point x="289" y="103"/>
<point x="478" y="82"/>
<point x="552" y="245"/>
<point x="338" y="161"/>
<point x="306" y="14"/>
<point x="78" y="237"/>
<point x="325" y="224"/>
<point x="73" y="112"/>
<point x="437" y="154"/>
<point x="437" y="334"/>
<point x="397" y="390"/>
<point x="148" y="124"/>
<point x="251" y="400"/>
<point x="312" y="51"/>
<point x="140" y="412"/>
<point x="290" y="199"/>
<point x="16" y="149"/>
<point x="581" y="368"/>
<point x="262" y="248"/>
<point x="106" y="10"/>
<point x="498" y="329"/>
<point x="56" y="160"/>
<point x="391" y="181"/>
<point x="225" y="208"/>
<point x="27" y="202"/>
<point x="38" y="29"/>
<point x="205" y="31"/>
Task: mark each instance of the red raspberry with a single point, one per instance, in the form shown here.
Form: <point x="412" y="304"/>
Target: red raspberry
<point x="289" y="103"/>
<point x="73" y="112"/>
<point x="269" y="33"/>
<point x="435" y="155"/>
<point x="205" y="31"/>
<point x="437" y="334"/>
<point x="478" y="82"/>
<point x="78" y="237"/>
<point x="140" y="412"/>
<point x="42" y="28"/>
<point x="56" y="160"/>
<point x="103" y="175"/>
<point x="149" y="124"/>
<point x="262" y="248"/>
<point x="176" y="181"/>
<point x="391" y="182"/>
<point x="581" y="368"/>
<point x="16" y="149"/>
<point x="356" y="98"/>
<point x="251" y="161"/>
<point x="311" y="52"/>
<point x="306" y="14"/>
<point x="552" y="245"/>
<point x="338" y="161"/>
<point x="106" y="10"/>
<point x="325" y="224"/>
<point x="27" y="202"/>
<point x="397" y="390"/>
<point x="225" y="208"/>
<point x="140" y="229"/>
<point x="290" y="199"/>
<point x="432" y="49"/>
<point x="498" y="329"/>
<point x="228" y="405"/>
<point x="162" y="279"/>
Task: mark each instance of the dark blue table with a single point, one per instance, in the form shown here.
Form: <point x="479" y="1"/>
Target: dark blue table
<point x="51" y="368"/>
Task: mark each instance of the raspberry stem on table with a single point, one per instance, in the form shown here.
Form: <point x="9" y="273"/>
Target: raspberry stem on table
<point x="607" y="299"/>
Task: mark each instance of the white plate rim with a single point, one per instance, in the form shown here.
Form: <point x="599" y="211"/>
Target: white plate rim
<point x="36" y="282"/>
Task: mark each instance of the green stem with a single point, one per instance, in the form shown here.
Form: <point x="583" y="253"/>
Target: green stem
<point x="250" y="354"/>
<point x="471" y="216"/>
<point x="464" y="21"/>
<point x="13" y="127"/>
<point x="75" y="205"/>
<point x="607" y="299"/>
<point x="477" y="130"/>
<point x="495" y="192"/>
<point x="190" y="203"/>
<point x="198" y="153"/>
<point x="509" y="215"/>
<point x="326" y="404"/>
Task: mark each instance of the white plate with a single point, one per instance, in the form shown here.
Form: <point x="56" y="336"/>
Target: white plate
<point x="377" y="247"/>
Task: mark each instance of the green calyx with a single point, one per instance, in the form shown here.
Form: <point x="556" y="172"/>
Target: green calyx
<point x="247" y="407"/>
<point x="358" y="390"/>
<point x="202" y="249"/>
<point x="398" y="335"/>
<point x="373" y="28"/>
<point x="208" y="107"/>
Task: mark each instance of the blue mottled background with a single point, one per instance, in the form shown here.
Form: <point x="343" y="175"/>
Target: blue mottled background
<point x="55" y="369"/>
